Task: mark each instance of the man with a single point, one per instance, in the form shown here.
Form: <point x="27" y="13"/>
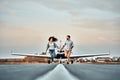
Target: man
<point x="68" y="49"/>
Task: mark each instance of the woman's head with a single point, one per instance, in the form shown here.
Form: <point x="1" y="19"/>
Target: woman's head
<point x="52" y="39"/>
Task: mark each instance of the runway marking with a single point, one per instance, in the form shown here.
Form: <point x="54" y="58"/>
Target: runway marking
<point x="59" y="73"/>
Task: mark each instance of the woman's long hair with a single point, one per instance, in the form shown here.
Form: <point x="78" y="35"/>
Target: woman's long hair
<point x="53" y="38"/>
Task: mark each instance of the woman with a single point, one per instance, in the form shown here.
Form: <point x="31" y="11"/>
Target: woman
<point x="51" y="46"/>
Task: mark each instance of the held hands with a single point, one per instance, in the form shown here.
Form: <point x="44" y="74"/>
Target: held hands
<point x="60" y="49"/>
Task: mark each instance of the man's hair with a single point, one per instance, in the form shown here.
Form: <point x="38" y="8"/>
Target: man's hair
<point x="68" y="36"/>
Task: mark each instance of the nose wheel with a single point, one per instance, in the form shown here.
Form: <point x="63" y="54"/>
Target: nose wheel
<point x="60" y="61"/>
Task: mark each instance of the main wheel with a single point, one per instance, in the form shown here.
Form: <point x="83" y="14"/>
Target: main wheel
<point x="71" y="61"/>
<point x="48" y="61"/>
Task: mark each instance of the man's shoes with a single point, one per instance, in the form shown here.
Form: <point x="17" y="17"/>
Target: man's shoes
<point x="67" y="62"/>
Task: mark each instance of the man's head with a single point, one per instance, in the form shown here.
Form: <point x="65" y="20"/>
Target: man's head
<point x="68" y="37"/>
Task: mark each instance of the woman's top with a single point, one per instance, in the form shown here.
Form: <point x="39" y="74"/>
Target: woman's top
<point x="51" y="46"/>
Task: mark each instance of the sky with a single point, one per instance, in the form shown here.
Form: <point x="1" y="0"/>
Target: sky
<point x="25" y="25"/>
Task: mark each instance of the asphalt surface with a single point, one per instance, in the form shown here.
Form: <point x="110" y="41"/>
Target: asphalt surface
<point x="60" y="72"/>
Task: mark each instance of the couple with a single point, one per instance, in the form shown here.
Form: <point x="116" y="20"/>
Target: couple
<point x="52" y="45"/>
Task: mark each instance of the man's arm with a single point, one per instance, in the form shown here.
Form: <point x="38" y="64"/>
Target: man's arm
<point x="72" y="45"/>
<point x="63" y="46"/>
<point x="56" y="46"/>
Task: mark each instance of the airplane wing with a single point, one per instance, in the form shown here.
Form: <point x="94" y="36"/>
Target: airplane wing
<point x="89" y="55"/>
<point x="31" y="55"/>
<point x="71" y="56"/>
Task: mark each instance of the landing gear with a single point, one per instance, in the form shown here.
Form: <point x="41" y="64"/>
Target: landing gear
<point x="60" y="62"/>
<point x="48" y="61"/>
<point x="71" y="61"/>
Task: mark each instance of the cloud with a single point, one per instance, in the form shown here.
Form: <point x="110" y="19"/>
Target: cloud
<point x="101" y="38"/>
<point x="74" y="6"/>
<point x="27" y="24"/>
<point x="97" y="31"/>
<point x="105" y="25"/>
<point x="16" y="36"/>
<point x="100" y="17"/>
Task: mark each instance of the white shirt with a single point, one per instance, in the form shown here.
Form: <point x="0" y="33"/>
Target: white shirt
<point x="51" y="46"/>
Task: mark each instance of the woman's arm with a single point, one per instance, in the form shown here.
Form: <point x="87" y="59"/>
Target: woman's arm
<point x="57" y="46"/>
<point x="47" y="47"/>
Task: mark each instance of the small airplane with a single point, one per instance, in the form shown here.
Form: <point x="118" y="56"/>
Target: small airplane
<point x="60" y="55"/>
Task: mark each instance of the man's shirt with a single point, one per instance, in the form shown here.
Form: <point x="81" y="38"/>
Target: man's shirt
<point x="68" y="45"/>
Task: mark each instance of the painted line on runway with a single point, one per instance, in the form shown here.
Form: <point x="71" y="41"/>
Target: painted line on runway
<point x="58" y="73"/>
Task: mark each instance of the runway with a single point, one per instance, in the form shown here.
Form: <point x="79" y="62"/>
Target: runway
<point x="60" y="72"/>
